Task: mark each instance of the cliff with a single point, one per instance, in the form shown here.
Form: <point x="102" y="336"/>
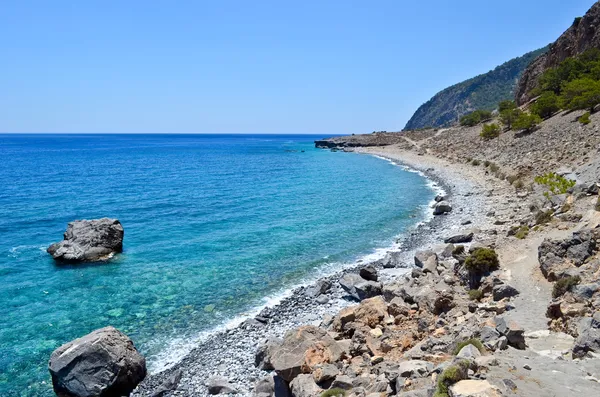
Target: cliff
<point x="581" y="36"/>
<point x="481" y="92"/>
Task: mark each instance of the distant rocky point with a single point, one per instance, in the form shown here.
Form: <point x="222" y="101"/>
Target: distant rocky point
<point x="89" y="241"/>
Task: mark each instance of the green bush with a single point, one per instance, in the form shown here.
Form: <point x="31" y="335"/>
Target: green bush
<point x="581" y="94"/>
<point x="486" y="163"/>
<point x="494" y="167"/>
<point x="526" y="122"/>
<point x="450" y="376"/>
<point x="556" y="184"/>
<point x="473" y="341"/>
<point x="543" y="217"/>
<point x="546" y="105"/>
<point x="506" y="105"/>
<point x="512" y="178"/>
<point x="475" y="294"/>
<point x="585" y="118"/>
<point x="490" y="131"/>
<point x="564" y="284"/>
<point x="518" y="184"/>
<point x="509" y="116"/>
<point x="522" y="232"/>
<point x="458" y="250"/>
<point x="475" y="162"/>
<point x="337" y="392"/>
<point x="474" y="118"/>
<point x="482" y="260"/>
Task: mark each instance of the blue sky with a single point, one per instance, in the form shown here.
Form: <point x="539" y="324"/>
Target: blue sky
<point x="252" y="66"/>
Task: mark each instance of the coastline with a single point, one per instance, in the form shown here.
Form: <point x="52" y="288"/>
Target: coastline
<point x="297" y="307"/>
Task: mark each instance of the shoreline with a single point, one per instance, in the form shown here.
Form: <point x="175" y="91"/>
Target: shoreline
<point x="297" y="307"/>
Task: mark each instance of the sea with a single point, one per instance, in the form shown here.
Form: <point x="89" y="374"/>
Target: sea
<point x="216" y="227"/>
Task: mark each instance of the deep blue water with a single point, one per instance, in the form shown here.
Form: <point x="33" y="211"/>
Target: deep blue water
<point x="213" y="225"/>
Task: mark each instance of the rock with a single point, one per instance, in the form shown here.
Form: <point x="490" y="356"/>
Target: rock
<point x="342" y="382"/>
<point x="427" y="260"/>
<point x="265" y="385"/>
<point x="304" y="386"/>
<point x="102" y="363"/>
<point x="371" y="312"/>
<point x="169" y="385"/>
<point x="556" y="257"/>
<point x="368" y="273"/>
<point x="469" y="352"/>
<point x="589" y="336"/>
<point x="515" y="334"/>
<point x="392" y="260"/>
<point x="414" y="369"/>
<point x="441" y="208"/>
<point x="367" y="289"/>
<point x="474" y="388"/>
<point x="439" y="198"/>
<point x="89" y="241"/>
<point x="323" y="299"/>
<point x="593" y="189"/>
<point x="302" y="350"/>
<point x="486" y="362"/>
<point x="325" y="372"/>
<point x="459" y="238"/>
<point x="321" y="287"/>
<point x="348" y="283"/>
<point x="263" y="354"/>
<point x="527" y="367"/>
<point x="503" y="291"/>
<point x="218" y="385"/>
<point x="447" y="252"/>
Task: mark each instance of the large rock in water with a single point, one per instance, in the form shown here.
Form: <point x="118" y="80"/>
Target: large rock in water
<point x="103" y="363"/>
<point x="89" y="241"/>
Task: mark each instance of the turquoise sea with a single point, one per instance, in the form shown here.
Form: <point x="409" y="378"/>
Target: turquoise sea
<point x="214" y="225"/>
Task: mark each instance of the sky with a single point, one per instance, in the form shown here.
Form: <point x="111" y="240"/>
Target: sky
<point x="321" y="67"/>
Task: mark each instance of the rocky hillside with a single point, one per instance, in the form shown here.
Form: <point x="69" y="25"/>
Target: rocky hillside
<point x="481" y="92"/>
<point x="581" y="36"/>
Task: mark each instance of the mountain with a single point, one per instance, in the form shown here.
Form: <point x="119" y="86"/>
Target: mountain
<point x="581" y="36"/>
<point x="481" y="92"/>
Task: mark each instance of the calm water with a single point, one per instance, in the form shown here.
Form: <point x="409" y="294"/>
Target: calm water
<point x="213" y="225"/>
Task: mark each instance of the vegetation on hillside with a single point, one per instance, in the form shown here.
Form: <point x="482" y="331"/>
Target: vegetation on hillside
<point x="482" y="92"/>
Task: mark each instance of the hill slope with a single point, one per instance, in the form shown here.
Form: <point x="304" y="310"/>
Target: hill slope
<point x="481" y="92"/>
<point x="581" y="36"/>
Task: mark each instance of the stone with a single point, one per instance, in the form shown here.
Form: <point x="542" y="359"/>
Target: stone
<point x="515" y="334"/>
<point x="102" y="363"/>
<point x="89" y="241"/>
<point x="265" y="385"/>
<point x="414" y="369"/>
<point x="474" y="388"/>
<point x="219" y="385"/>
<point x="319" y="288"/>
<point x="263" y="354"/>
<point x="301" y="350"/>
<point x="169" y="385"/>
<point x="447" y="252"/>
<point x="367" y="289"/>
<point x="304" y="386"/>
<point x="459" y="238"/>
<point x="371" y="312"/>
<point x="325" y="372"/>
<point x="342" y="382"/>
<point x="426" y="260"/>
<point x="392" y="260"/>
<point x="348" y="283"/>
<point x="469" y="352"/>
<point x="369" y="273"/>
<point x="486" y="362"/>
<point x="441" y="208"/>
<point x="503" y="291"/>
<point x="589" y="336"/>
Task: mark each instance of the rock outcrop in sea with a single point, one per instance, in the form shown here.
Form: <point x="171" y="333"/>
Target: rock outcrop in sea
<point x="89" y="241"/>
<point x="103" y="363"/>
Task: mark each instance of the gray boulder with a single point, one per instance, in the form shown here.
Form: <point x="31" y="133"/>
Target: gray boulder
<point x="443" y="207"/>
<point x="89" y="241"/>
<point x="504" y="291"/>
<point x="468" y="352"/>
<point x="218" y="385"/>
<point x="415" y="369"/>
<point x="359" y="288"/>
<point x="426" y="260"/>
<point x="368" y="273"/>
<point x="514" y="333"/>
<point x="459" y="238"/>
<point x="589" y="336"/>
<point x="102" y="363"/>
<point x="304" y="386"/>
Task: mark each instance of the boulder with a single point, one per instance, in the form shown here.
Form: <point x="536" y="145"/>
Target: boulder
<point x="265" y="386"/>
<point x="264" y="352"/>
<point x="218" y="385"/>
<point x="368" y="273"/>
<point x="392" y="260"/>
<point x="515" y="334"/>
<point x="415" y="369"/>
<point x="89" y="241"/>
<point x="342" y="382"/>
<point x="474" y="388"/>
<point x="589" y="336"/>
<point x="503" y="291"/>
<point x="469" y="352"/>
<point x="169" y="385"/>
<point x="102" y="363"/>
<point x="325" y="372"/>
<point x="304" y="386"/>
<point x="301" y="350"/>
<point x="459" y="239"/>
<point x="319" y="288"/>
<point x="426" y="260"/>
<point x="358" y="287"/>
<point x="442" y="207"/>
<point x="556" y="257"/>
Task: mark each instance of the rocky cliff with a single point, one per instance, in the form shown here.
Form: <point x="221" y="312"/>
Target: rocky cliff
<point x="581" y="36"/>
<point x="481" y="92"/>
